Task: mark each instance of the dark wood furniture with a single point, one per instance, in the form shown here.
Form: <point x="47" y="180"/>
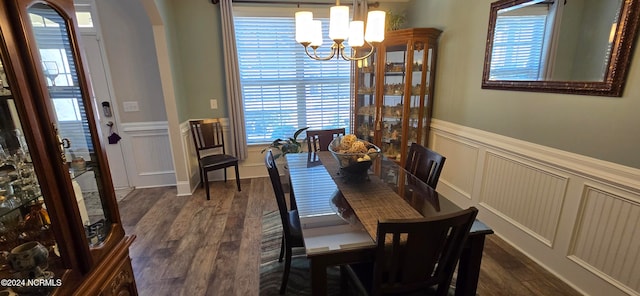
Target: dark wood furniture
<point x="425" y="164"/>
<point x="413" y="255"/>
<point x="339" y="218"/>
<point x="208" y="140"/>
<point x="58" y="191"/>
<point x="292" y="234"/>
<point x="318" y="140"/>
<point x="394" y="89"/>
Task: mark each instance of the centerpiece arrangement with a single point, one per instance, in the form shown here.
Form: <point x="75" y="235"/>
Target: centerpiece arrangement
<point x="354" y="155"/>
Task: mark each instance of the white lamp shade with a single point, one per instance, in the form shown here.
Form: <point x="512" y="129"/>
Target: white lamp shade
<point x="316" y="33"/>
<point x="303" y="24"/>
<point x="339" y="23"/>
<point x="356" y="33"/>
<point x="375" y="26"/>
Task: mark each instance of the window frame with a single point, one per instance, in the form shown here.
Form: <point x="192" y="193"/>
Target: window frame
<point x="306" y="87"/>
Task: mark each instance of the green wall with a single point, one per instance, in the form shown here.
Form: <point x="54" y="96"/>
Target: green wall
<point x="601" y="127"/>
<point x="167" y="12"/>
<point x="197" y="34"/>
<point x="131" y="53"/>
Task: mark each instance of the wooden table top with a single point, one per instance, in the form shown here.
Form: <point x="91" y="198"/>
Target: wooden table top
<point x="389" y="192"/>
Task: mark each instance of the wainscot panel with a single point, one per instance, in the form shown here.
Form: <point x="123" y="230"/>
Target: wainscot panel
<point x="574" y="215"/>
<point x="606" y="237"/>
<point x="149" y="158"/>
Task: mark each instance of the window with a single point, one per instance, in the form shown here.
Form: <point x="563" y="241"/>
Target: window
<point x="283" y="89"/>
<point x="518" y="46"/>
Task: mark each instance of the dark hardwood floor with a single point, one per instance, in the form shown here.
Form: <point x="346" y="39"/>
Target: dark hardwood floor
<point x="187" y="245"/>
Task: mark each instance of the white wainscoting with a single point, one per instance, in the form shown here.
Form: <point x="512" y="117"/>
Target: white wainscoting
<point x="190" y="155"/>
<point x="149" y="156"/>
<point x="577" y="216"/>
<point x="527" y="196"/>
<point x="606" y="236"/>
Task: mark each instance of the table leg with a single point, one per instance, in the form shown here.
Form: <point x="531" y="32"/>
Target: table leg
<point x="469" y="266"/>
<point x="318" y="278"/>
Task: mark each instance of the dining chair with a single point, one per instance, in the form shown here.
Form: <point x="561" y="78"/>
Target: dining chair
<point x="208" y="140"/>
<point x="425" y="164"/>
<point x="319" y="140"/>
<point x="292" y="233"/>
<point x="414" y="255"/>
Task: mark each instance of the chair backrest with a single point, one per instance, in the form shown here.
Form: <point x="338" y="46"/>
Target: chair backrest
<point x="318" y="140"/>
<point x="207" y="134"/>
<point x="425" y="164"/>
<point x="270" y="163"/>
<point x="418" y="253"/>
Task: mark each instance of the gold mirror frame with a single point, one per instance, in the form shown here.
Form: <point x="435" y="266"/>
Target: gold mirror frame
<point x="614" y="78"/>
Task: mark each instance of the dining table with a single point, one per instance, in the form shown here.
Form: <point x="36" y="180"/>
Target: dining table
<point x="339" y="213"/>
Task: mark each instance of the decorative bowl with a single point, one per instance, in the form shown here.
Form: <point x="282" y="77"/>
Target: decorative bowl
<point x="353" y="161"/>
<point x="30" y="259"/>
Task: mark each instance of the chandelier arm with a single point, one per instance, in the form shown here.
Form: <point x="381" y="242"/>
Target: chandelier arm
<point x="354" y="58"/>
<point x="315" y="53"/>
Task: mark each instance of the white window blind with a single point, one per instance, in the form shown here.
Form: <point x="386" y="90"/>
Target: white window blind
<point x="283" y="89"/>
<point x="517" y="47"/>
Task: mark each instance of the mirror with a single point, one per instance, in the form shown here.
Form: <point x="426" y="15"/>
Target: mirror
<point x="562" y="46"/>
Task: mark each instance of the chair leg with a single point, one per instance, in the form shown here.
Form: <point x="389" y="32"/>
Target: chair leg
<point x="344" y="281"/>
<point x="206" y="185"/>
<point x="225" y="175"/>
<point x="202" y="177"/>
<point x="292" y="197"/>
<point x="287" y="268"/>
<point x="281" y="249"/>
<point x="238" y="178"/>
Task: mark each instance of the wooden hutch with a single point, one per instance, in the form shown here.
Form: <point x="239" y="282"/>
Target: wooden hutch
<point x="394" y="91"/>
<point x="57" y="204"/>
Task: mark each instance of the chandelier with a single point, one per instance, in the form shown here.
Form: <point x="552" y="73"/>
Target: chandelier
<point x="309" y="32"/>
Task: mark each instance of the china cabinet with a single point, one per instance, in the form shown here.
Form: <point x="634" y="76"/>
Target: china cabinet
<point x="394" y="91"/>
<point x="60" y="229"/>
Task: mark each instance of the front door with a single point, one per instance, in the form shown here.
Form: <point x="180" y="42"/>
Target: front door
<point x="108" y="119"/>
<point x="100" y="80"/>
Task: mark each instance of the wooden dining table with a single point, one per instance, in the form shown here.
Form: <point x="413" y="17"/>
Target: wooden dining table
<point x="339" y="214"/>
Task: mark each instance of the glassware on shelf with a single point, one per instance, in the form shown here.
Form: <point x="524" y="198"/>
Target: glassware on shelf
<point x="31" y="261"/>
<point x="394" y="67"/>
<point x="3" y="155"/>
<point x="392" y="111"/>
<point x="394" y="89"/>
<point x="5" y="205"/>
<point x="37" y="218"/>
<point x="51" y="71"/>
<point x="366" y="110"/>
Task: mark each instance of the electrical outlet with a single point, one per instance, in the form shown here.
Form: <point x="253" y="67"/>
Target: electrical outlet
<point x="130" y="106"/>
<point x="213" y="103"/>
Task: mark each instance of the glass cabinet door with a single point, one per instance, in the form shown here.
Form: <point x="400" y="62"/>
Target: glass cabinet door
<point x="25" y="224"/>
<point x="70" y="111"/>
<point x="427" y="64"/>
<point x="365" y="98"/>
<point x="417" y="118"/>
<point x="396" y="77"/>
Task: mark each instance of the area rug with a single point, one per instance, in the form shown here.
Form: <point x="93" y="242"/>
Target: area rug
<point x="271" y="270"/>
